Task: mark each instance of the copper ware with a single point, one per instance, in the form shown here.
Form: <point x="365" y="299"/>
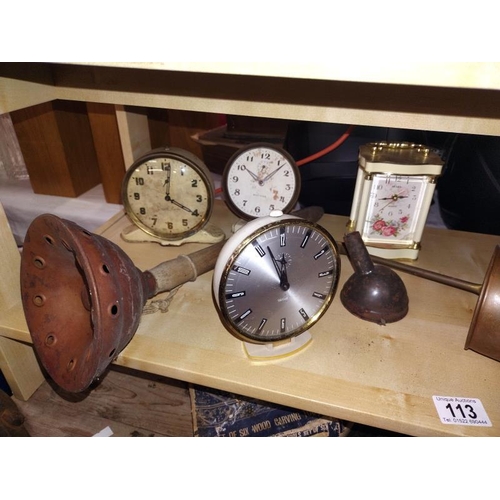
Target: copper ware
<point x="83" y="296"/>
<point x="484" y="331"/>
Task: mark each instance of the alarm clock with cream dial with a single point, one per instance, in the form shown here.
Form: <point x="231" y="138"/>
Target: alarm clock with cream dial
<point x="168" y="193"/>
<point x="394" y="189"/>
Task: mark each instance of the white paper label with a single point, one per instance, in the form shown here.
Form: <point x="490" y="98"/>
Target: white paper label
<point x="461" y="411"/>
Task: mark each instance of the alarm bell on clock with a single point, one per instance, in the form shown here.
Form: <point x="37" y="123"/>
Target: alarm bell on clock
<point x="394" y="189"/>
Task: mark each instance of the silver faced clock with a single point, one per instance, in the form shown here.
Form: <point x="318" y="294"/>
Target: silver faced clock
<point x="273" y="280"/>
<point x="168" y="193"/>
<point x="394" y="189"/>
<point x="260" y="178"/>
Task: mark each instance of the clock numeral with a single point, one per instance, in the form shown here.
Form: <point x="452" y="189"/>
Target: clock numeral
<point x="263" y="321"/>
<point x="165" y="166"/>
<point x="235" y="295"/>
<point x="155" y="220"/>
<point x="244" y="315"/>
<point x="303" y="314"/>
<point x="306" y="239"/>
<point x="282" y="237"/>
<point x="320" y="253"/>
<point x="199" y="198"/>
<point x="185" y="222"/>
<point x="139" y="181"/>
<point x="319" y="295"/>
<point x="235" y="178"/>
<point x="241" y="270"/>
<point x="259" y="249"/>
<point x="150" y="170"/>
<point x="237" y="192"/>
<point x="325" y="273"/>
<point x="283" y="325"/>
<point x="137" y="196"/>
<point x="194" y="183"/>
<point x="142" y="211"/>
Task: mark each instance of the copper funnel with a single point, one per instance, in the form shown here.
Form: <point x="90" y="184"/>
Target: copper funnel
<point x="484" y="331"/>
<point x="83" y="296"/>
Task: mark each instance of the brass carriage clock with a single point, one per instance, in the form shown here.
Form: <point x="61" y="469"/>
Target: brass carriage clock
<point x="393" y="194"/>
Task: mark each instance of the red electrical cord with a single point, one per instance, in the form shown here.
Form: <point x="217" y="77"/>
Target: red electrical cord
<point x="328" y="149"/>
<point x="319" y="154"/>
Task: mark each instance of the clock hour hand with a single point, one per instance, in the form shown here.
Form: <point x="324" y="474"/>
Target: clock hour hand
<point x="280" y="267"/>
<point x="284" y="284"/>
<point x="180" y="205"/>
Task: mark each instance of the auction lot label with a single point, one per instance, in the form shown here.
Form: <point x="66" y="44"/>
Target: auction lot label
<point x="461" y="411"/>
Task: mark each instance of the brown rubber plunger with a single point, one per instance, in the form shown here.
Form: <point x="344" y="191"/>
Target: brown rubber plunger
<point x="83" y="296"/>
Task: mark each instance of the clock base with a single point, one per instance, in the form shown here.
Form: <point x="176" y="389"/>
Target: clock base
<point x="394" y="253"/>
<point x="209" y="234"/>
<point x="278" y="350"/>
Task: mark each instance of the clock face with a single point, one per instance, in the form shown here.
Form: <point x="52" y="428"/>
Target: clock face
<point x="168" y="194"/>
<point x="259" y="179"/>
<point x="279" y="281"/>
<point x="394" y="206"/>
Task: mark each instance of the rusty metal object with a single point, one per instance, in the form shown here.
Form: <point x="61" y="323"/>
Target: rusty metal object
<point x="373" y="293"/>
<point x="484" y="331"/>
<point x="11" y="419"/>
<point x="83" y="296"/>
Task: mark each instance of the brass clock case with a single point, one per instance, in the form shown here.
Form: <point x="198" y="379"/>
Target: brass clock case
<point x="168" y="193"/>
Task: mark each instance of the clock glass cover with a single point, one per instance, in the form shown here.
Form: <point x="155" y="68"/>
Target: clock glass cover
<point x="168" y="193"/>
<point x="395" y="202"/>
<point x="261" y="178"/>
<point x="277" y="281"/>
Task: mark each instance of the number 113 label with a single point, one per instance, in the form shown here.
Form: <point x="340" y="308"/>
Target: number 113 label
<point x="461" y="411"/>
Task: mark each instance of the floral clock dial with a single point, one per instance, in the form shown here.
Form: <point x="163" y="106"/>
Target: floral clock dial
<point x="395" y="202"/>
<point x="392" y="197"/>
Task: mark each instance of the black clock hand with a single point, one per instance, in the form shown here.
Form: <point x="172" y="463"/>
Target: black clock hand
<point x="284" y="284"/>
<point x="265" y="179"/>
<point x="254" y="177"/>
<point x="180" y="205"/>
<point x="281" y="270"/>
<point x="167" y="183"/>
<point x="275" y="262"/>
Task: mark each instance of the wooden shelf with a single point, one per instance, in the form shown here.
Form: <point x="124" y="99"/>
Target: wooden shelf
<point x="353" y="370"/>
<point x="448" y="97"/>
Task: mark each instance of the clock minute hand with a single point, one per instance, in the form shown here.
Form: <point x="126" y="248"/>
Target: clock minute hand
<point x="275" y="262"/>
